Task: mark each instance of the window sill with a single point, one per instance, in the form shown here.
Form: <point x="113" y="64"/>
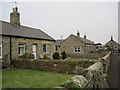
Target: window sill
<point x="76" y="52"/>
<point x="46" y="52"/>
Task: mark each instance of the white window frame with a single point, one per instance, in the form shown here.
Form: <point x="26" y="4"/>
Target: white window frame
<point x="20" y="46"/>
<point x="77" y="49"/>
<point x="47" y="47"/>
<point x="1" y="50"/>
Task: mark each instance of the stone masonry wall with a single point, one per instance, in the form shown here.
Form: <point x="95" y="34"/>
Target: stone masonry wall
<point x="59" y="66"/>
<point x="93" y="76"/>
<point x="29" y="43"/>
<point x="14" y="48"/>
<point x="5" y="51"/>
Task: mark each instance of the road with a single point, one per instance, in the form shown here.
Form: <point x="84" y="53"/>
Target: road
<point x="112" y="77"/>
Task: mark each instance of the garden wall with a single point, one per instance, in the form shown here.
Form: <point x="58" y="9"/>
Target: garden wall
<point x="89" y="55"/>
<point x="59" y="66"/>
<point x="91" y="77"/>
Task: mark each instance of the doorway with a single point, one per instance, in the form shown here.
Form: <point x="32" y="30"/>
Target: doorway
<point x="34" y="48"/>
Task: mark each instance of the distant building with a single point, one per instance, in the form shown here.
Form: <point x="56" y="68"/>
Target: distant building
<point x="58" y="45"/>
<point x="18" y="40"/>
<point x="100" y="47"/>
<point x="73" y="45"/>
<point x="112" y="45"/>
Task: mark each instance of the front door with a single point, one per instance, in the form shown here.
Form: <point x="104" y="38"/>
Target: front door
<point x="34" y="50"/>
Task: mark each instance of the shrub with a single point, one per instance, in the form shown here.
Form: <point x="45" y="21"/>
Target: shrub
<point x="31" y="56"/>
<point x="63" y="55"/>
<point x="56" y="55"/>
<point x="27" y="56"/>
<point x="70" y="84"/>
<point x="24" y="56"/>
<point x="45" y="56"/>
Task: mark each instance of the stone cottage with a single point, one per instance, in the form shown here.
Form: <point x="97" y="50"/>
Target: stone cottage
<point x="76" y="45"/>
<point x="18" y="40"/>
<point x="112" y="45"/>
<point x="58" y="45"/>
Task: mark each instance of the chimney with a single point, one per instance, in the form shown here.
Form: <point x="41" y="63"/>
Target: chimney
<point x="78" y="34"/>
<point x="84" y="36"/>
<point x="111" y="38"/>
<point x="15" y="17"/>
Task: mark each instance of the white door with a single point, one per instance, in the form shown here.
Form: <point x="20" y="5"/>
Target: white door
<point x="34" y="50"/>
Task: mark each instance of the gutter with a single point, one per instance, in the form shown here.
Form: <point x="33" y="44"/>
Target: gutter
<point x="27" y="37"/>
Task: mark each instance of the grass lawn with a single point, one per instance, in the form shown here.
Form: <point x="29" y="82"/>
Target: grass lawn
<point x="26" y="78"/>
<point x="81" y="59"/>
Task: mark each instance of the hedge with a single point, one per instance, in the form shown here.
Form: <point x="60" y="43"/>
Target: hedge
<point x="59" y="66"/>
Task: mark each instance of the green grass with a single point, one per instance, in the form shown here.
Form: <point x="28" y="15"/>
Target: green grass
<point x="26" y="78"/>
<point x="81" y="59"/>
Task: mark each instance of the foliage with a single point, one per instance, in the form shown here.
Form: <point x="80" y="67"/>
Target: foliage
<point x="63" y="55"/>
<point x="24" y="56"/>
<point x="45" y="56"/>
<point x="27" y="56"/>
<point x="56" y="55"/>
<point x="91" y="51"/>
<point x="70" y="84"/>
<point x="31" y="56"/>
<point x="26" y="78"/>
<point x="68" y="55"/>
<point x="59" y="66"/>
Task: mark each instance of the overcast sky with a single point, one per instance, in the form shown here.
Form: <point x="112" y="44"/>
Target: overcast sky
<point x="97" y="20"/>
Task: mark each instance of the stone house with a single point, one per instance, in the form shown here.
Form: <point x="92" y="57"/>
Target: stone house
<point x="58" y="45"/>
<point x="76" y="45"/>
<point x="112" y="45"/>
<point x="100" y="47"/>
<point x="18" y="40"/>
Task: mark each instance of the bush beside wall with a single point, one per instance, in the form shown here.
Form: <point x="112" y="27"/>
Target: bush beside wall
<point x="51" y="65"/>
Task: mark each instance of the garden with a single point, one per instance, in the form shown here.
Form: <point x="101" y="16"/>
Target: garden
<point x="26" y="78"/>
<point x="43" y="73"/>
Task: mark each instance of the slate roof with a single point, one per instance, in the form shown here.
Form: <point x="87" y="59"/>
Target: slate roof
<point x="112" y="41"/>
<point x="87" y="41"/>
<point x="23" y="31"/>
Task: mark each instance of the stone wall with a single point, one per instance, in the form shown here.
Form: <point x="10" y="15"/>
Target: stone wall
<point x="59" y="66"/>
<point x="72" y="41"/>
<point x="28" y="48"/>
<point x="93" y="76"/>
<point x="29" y="43"/>
<point x="88" y="55"/>
<point x="5" y="51"/>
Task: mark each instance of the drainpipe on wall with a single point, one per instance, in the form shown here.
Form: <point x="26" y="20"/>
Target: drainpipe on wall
<point x="10" y="47"/>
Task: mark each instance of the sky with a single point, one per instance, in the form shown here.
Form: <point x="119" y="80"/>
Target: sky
<point x="97" y="20"/>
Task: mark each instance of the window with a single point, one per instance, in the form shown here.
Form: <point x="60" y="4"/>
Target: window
<point x="0" y="50"/>
<point x="21" y="49"/>
<point x="46" y="48"/>
<point x="76" y="49"/>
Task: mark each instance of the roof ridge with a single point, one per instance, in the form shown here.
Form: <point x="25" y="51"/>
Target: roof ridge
<point x="82" y="39"/>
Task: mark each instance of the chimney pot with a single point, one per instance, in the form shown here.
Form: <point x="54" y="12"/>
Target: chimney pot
<point x="78" y="34"/>
<point x="84" y="36"/>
